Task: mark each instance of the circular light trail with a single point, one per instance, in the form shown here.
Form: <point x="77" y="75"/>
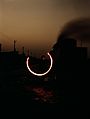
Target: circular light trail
<point x="40" y="74"/>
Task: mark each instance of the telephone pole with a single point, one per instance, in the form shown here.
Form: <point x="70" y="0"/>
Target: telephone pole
<point x="14" y="45"/>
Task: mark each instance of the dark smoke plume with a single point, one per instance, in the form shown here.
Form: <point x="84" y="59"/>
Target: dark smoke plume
<point x="78" y="29"/>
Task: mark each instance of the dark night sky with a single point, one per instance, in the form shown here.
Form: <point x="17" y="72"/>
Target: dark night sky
<point x="35" y="24"/>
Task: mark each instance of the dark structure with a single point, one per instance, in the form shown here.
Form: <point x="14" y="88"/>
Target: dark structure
<point x="68" y="57"/>
<point x="69" y="67"/>
<point x="72" y="70"/>
<point x="0" y="47"/>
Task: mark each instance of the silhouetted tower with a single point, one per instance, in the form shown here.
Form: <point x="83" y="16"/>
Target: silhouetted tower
<point x="0" y="47"/>
<point x="81" y="42"/>
<point x="28" y="52"/>
<point x="14" y="45"/>
<point x="23" y="51"/>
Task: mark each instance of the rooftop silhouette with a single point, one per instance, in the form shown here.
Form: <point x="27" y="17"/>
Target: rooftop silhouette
<point x="68" y="78"/>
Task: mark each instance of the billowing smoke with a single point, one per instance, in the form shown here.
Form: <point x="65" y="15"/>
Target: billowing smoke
<point x="79" y="30"/>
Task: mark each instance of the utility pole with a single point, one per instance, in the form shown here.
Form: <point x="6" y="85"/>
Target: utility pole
<point x="0" y="47"/>
<point x="81" y="42"/>
<point x="23" y="51"/>
<point x="28" y="52"/>
<point x="14" y="45"/>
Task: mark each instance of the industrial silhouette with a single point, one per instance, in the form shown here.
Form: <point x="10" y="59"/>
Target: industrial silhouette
<point x="65" y="84"/>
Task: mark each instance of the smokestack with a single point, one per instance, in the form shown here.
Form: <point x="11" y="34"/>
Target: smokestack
<point x="23" y="51"/>
<point x="0" y="47"/>
<point x="28" y="52"/>
<point x="14" y="45"/>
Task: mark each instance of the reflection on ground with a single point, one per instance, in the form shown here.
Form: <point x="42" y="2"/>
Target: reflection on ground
<point x="41" y="94"/>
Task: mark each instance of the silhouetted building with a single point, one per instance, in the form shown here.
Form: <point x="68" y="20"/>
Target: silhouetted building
<point x="11" y="60"/>
<point x="67" y="43"/>
<point x="68" y="58"/>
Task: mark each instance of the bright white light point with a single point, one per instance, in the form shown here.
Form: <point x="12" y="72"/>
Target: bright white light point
<point x="41" y="74"/>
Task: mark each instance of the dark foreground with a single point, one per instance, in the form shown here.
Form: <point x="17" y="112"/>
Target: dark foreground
<point x="43" y="95"/>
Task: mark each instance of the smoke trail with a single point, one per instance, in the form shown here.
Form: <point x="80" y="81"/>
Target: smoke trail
<point x="78" y="29"/>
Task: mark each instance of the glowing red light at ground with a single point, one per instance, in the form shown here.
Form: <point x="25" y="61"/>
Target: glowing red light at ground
<point x="42" y="94"/>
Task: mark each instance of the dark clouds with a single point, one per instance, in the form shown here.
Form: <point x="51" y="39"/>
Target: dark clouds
<point x="79" y="28"/>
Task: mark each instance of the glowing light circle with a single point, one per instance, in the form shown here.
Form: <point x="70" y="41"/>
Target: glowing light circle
<point x="41" y="74"/>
